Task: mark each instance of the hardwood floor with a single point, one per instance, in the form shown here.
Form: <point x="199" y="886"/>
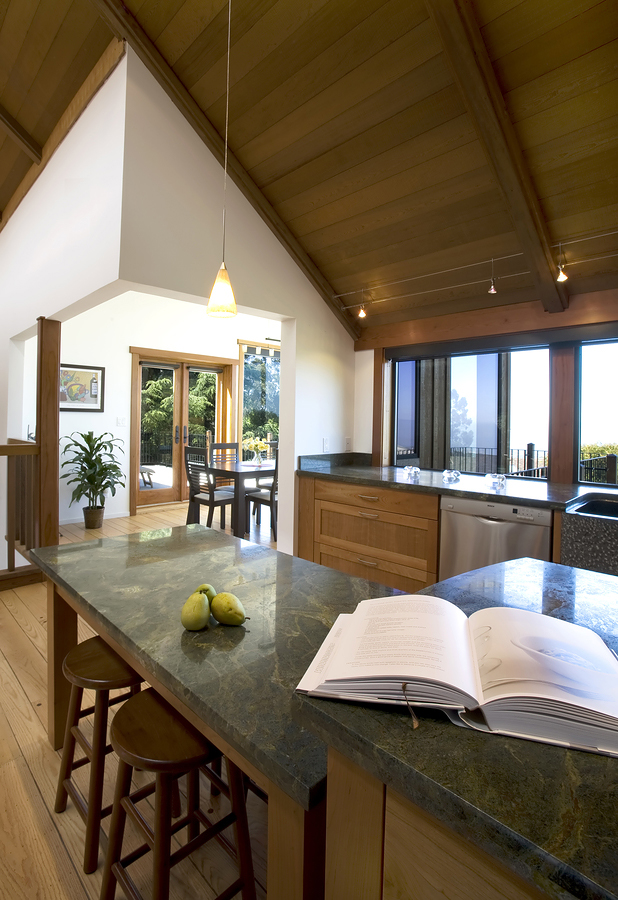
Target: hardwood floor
<point x="41" y="851"/>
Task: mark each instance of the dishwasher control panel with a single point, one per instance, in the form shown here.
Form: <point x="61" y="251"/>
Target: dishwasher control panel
<point x="501" y="512"/>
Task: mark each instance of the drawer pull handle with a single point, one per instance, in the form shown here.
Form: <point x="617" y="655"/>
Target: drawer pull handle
<point x="366" y="562"/>
<point x="369" y="515"/>
<point x="367" y="497"/>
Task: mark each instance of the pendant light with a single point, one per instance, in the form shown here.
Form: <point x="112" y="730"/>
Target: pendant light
<point x="221" y="303"/>
<point x="492" y="288"/>
<point x="562" y="275"/>
<point x="361" y="312"/>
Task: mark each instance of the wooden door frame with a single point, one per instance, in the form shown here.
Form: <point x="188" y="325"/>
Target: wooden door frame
<point x="226" y="397"/>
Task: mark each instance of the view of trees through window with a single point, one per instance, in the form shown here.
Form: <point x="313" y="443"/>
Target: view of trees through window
<point x="261" y="395"/>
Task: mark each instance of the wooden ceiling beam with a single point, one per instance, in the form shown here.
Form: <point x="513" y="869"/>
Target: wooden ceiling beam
<point x="20" y="136"/>
<point x="474" y="75"/>
<point x="126" y="27"/>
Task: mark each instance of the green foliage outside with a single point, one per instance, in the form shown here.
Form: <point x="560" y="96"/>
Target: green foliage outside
<point x="261" y="397"/>
<point x="158" y="404"/>
<point x="590" y="451"/>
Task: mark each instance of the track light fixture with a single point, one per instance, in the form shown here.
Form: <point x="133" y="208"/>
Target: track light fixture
<point x="222" y="304"/>
<point x="492" y="287"/>
<point x="362" y="313"/>
<point x="562" y="275"/>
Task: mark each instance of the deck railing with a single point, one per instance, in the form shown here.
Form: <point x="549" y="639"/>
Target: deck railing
<point x="22" y="513"/>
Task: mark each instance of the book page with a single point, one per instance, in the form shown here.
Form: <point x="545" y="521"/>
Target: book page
<point x="526" y="654"/>
<point x="404" y="639"/>
<point x="316" y="672"/>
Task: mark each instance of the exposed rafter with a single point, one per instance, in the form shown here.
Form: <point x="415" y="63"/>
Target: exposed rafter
<point x="474" y="75"/>
<point x="125" y="26"/>
<point x="20" y="136"/>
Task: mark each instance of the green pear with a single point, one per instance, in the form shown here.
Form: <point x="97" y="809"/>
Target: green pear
<point x="196" y="612"/>
<point x="207" y="589"/>
<point x="227" y="609"/>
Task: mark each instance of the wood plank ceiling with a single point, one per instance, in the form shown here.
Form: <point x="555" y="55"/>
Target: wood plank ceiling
<point x="396" y="147"/>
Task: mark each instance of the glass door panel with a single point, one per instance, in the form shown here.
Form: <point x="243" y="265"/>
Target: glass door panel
<point x="202" y="406"/>
<point x="158" y="437"/>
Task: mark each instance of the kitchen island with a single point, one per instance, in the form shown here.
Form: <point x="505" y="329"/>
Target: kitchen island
<point x="235" y="684"/>
<point x="441" y="811"/>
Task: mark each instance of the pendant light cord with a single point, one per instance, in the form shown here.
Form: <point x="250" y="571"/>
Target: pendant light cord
<point x="227" y="116"/>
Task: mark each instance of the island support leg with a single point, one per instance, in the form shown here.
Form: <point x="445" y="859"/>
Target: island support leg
<point x="354" y="831"/>
<point x="296" y="843"/>
<point x="61" y="637"/>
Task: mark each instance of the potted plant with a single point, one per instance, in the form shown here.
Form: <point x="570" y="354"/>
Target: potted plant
<point x="93" y="470"/>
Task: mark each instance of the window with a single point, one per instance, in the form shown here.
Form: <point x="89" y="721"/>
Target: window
<point x="598" y="419"/>
<point x="260" y="401"/>
<point x="485" y="412"/>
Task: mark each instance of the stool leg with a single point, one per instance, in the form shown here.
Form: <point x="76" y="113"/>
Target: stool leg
<point x="68" y="751"/>
<point x="162" y="838"/>
<point x="116" y="831"/>
<point x="241" y="830"/>
<point x="95" y="790"/>
<point x="193" y="803"/>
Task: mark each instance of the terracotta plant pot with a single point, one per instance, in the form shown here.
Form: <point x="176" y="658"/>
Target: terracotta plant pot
<point x="93" y="516"/>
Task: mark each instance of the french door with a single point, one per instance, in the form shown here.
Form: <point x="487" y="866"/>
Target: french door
<point x="176" y="402"/>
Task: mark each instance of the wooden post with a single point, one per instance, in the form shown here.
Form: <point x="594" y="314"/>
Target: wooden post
<point x="378" y="407"/>
<point x="530" y="460"/>
<point x="611" y="476"/>
<point x="47" y="429"/>
<point x="564" y="372"/>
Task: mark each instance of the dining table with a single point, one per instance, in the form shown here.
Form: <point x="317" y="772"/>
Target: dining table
<point x="235" y="684"/>
<point x="240" y="473"/>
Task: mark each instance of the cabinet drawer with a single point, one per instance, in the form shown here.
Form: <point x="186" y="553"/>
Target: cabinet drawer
<point x="401" y="539"/>
<point x="363" y="565"/>
<point x="407" y="503"/>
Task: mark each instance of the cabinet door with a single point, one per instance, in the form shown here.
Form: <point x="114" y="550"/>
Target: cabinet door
<point x="364" y="565"/>
<point x="407" y="540"/>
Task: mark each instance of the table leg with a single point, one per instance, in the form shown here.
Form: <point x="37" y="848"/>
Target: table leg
<point x="240" y="525"/>
<point x="61" y="637"/>
<point x="296" y="848"/>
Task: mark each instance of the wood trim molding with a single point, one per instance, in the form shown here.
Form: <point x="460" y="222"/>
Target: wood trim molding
<point x="123" y="24"/>
<point x="474" y="76"/>
<point x="97" y="78"/>
<point x="519" y="318"/>
<point x="21" y="137"/>
<point x="564" y="371"/>
<point x="192" y="359"/>
<point x="378" y="408"/>
<point x="48" y="429"/>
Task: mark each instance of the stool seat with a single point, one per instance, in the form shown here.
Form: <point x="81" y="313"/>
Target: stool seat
<point x="91" y="665"/>
<point x="94" y="666"/>
<point x="149" y="734"/>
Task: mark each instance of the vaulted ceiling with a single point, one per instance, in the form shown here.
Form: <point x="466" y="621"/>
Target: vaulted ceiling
<point x="396" y="147"/>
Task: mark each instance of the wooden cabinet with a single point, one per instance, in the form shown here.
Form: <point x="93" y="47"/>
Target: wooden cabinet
<point x="379" y="533"/>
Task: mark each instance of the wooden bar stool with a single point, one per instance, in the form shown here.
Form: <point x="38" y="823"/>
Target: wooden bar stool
<point x="91" y="665"/>
<point x="148" y="734"/>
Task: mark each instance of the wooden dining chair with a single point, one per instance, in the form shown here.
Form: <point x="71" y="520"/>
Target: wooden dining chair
<point x="266" y="496"/>
<point x="203" y="489"/>
<point x="222" y="453"/>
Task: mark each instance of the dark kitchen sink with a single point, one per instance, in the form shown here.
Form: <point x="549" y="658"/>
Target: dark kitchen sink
<point x="595" y="505"/>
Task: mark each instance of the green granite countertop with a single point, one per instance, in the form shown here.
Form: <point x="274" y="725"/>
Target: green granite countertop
<point x="355" y="468"/>
<point x="240" y="680"/>
<point x="546" y="812"/>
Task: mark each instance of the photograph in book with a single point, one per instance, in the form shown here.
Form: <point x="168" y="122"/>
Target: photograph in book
<point x="503" y="669"/>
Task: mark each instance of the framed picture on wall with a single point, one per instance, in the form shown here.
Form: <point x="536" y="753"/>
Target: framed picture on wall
<point x="82" y="388"/>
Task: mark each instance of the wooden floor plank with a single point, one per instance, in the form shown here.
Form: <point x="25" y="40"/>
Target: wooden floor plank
<point x="33" y="860"/>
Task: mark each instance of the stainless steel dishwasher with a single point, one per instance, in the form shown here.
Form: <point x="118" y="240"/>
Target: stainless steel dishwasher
<point x="475" y="533"/>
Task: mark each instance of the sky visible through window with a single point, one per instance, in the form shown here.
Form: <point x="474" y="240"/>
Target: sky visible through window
<point x="599" y="417"/>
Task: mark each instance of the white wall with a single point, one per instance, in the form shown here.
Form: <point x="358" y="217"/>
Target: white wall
<point x="363" y="401"/>
<point x="135" y="203"/>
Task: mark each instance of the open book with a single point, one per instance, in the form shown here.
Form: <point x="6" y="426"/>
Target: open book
<point x="505" y="670"/>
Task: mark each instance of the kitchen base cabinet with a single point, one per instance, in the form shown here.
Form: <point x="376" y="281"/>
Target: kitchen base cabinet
<point x="385" y="535"/>
<point x="380" y="846"/>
